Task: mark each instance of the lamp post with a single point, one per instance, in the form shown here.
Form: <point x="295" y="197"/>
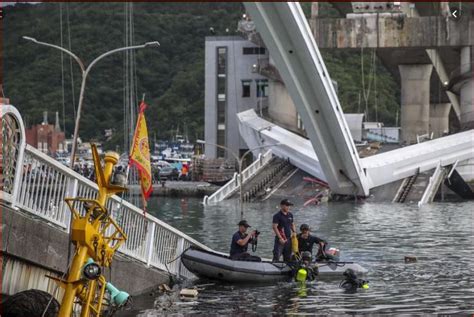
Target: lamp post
<point x="240" y="162"/>
<point x="85" y="71"/>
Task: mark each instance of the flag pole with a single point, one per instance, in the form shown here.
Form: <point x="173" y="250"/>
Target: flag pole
<point x="144" y="202"/>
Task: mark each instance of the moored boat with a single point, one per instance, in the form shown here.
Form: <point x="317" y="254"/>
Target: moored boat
<point x="211" y="265"/>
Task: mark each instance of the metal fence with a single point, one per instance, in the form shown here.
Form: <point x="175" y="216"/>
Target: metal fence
<point x="232" y="185"/>
<point x="39" y="184"/>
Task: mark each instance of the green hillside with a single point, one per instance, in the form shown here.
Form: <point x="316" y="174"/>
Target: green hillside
<point x="172" y="76"/>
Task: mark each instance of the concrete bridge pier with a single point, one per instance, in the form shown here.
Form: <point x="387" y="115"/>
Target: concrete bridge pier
<point x="439" y="119"/>
<point x="467" y="106"/>
<point x="415" y="101"/>
<point x="466" y="168"/>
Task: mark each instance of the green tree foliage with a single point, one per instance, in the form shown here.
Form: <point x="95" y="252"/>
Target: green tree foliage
<point x="172" y="76"/>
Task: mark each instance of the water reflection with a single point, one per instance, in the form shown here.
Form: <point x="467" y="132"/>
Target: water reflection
<point x="377" y="236"/>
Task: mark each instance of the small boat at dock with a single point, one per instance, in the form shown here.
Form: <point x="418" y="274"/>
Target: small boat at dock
<point x="212" y="265"/>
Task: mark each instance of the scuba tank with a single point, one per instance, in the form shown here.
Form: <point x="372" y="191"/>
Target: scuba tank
<point x="301" y="275"/>
<point x="294" y="245"/>
<point x="305" y="272"/>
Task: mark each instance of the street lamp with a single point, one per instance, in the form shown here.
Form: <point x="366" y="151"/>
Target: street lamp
<point x="85" y="72"/>
<point x="240" y="162"/>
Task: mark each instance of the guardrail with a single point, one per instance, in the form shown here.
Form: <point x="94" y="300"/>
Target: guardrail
<point x="233" y="185"/>
<point x="40" y="185"/>
<point x="433" y="184"/>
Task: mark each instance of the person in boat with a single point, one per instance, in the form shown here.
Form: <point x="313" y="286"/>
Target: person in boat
<point x="240" y="243"/>
<point x="306" y="241"/>
<point x="283" y="226"/>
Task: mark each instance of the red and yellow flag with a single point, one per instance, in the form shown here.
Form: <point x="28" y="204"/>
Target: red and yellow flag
<point x="140" y="155"/>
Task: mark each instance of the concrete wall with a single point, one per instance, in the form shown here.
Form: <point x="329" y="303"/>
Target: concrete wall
<point x="239" y="67"/>
<point x="391" y="31"/>
<point x="467" y="103"/>
<point x="439" y="119"/>
<point x="281" y="108"/>
<point x="415" y="101"/>
<point x="32" y="246"/>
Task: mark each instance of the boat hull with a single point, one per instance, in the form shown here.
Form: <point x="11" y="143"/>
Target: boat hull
<point x="210" y="265"/>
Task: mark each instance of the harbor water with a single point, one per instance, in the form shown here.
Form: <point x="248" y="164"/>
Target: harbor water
<point x="377" y="236"/>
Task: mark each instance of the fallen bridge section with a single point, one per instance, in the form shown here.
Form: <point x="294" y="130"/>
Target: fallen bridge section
<point x="257" y="131"/>
<point x="390" y="166"/>
<point x="287" y="35"/>
<point x="380" y="169"/>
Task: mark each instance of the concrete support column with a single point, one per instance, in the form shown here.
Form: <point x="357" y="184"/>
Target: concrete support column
<point x="466" y="98"/>
<point x="314" y="10"/>
<point x="439" y="119"/>
<point x="415" y="101"/>
<point x="466" y="168"/>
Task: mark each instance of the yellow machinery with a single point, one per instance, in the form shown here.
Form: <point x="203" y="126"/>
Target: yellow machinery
<point x="96" y="237"/>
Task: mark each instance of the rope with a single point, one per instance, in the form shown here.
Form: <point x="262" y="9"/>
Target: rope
<point x="126" y="90"/>
<point x="366" y="93"/>
<point x="375" y="87"/>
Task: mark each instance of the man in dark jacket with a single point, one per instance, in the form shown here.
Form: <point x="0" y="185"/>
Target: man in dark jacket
<point x="306" y="241"/>
<point x="240" y="242"/>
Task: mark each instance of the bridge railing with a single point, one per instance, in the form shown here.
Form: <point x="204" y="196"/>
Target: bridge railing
<point x="40" y="184"/>
<point x="233" y="185"/>
<point x="433" y="185"/>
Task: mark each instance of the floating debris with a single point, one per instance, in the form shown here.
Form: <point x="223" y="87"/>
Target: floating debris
<point x="164" y="288"/>
<point x="187" y="293"/>
<point x="410" y="259"/>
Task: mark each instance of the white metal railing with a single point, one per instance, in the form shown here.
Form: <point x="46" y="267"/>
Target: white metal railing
<point x="41" y="184"/>
<point x="433" y="185"/>
<point x="233" y="185"/>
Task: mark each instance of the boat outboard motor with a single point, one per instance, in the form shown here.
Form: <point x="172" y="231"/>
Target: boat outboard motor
<point x="351" y="282"/>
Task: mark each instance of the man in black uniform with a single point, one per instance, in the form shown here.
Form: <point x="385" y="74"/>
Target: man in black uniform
<point x="283" y="226"/>
<point x="240" y="242"/>
<point x="306" y="240"/>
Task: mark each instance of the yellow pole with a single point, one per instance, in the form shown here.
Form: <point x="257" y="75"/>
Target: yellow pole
<point x="111" y="158"/>
<point x="85" y="312"/>
<point x="74" y="283"/>
<point x="71" y="287"/>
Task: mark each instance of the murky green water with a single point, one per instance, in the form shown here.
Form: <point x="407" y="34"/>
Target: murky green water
<point x="377" y="236"/>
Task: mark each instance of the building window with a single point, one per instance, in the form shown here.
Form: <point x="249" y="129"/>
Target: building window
<point x="253" y="50"/>
<point x="221" y="60"/>
<point x="220" y="111"/>
<point x="246" y="88"/>
<point x="221" y="83"/>
<point x="221" y="97"/>
<point x="221" y="141"/>
<point x="262" y="88"/>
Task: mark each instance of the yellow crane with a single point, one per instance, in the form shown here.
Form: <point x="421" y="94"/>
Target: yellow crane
<point x="96" y="237"/>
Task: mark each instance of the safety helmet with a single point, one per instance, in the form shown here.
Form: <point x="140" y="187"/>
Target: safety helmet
<point x="304" y="227"/>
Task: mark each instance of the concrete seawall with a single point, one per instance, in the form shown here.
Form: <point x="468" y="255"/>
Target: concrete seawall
<point x="32" y="248"/>
<point x="180" y="189"/>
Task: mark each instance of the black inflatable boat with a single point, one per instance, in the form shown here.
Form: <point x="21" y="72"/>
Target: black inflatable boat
<point x="212" y="265"/>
